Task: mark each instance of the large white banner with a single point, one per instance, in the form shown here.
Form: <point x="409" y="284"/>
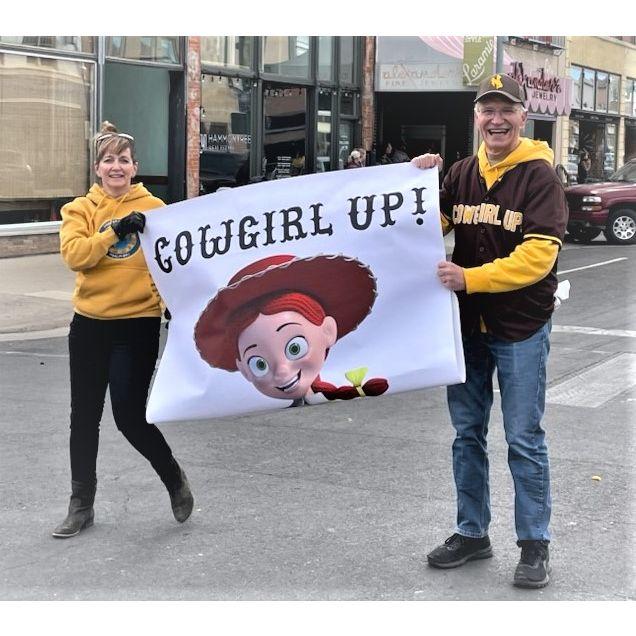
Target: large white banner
<point x="302" y="290"/>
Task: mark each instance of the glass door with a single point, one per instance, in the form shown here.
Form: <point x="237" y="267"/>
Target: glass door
<point x="284" y="131"/>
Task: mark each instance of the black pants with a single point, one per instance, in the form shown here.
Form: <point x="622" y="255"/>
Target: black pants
<point x="120" y="354"/>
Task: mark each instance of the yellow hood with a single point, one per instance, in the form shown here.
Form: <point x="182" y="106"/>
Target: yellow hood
<point x="97" y="194"/>
<point x="527" y="150"/>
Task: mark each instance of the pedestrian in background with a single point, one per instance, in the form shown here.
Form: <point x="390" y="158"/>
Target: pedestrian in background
<point x="583" y="169"/>
<point x="114" y="333"/>
<point x="400" y="155"/>
<point x="354" y="160"/>
<point x="509" y="213"/>
<point x="387" y="153"/>
<point x="363" y="156"/>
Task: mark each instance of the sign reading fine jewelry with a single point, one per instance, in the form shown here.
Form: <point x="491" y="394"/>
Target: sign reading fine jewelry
<point x="302" y="291"/>
<point x="545" y="93"/>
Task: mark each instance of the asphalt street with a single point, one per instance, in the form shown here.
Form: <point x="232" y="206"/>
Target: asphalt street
<point x="341" y="504"/>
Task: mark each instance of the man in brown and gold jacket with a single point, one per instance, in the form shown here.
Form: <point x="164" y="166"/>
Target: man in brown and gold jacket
<point x="509" y="213"/>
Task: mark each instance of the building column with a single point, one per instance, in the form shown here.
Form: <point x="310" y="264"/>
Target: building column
<point x="193" y="114"/>
<point x="368" y="101"/>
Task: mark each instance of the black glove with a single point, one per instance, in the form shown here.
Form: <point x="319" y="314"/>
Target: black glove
<point x="167" y="315"/>
<point x="134" y="222"/>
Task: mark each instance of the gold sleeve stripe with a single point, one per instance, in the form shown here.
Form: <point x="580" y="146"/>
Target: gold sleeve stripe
<point x="543" y="236"/>
<point x="447" y="225"/>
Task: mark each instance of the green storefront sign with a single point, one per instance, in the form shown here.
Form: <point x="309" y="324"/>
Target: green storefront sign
<point x="478" y="58"/>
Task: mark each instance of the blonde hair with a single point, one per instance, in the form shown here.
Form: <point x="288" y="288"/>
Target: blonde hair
<point x="109" y="139"/>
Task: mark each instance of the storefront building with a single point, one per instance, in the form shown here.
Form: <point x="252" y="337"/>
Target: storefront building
<point x="603" y="116"/>
<point x="276" y="107"/>
<point x="539" y="64"/>
<point x="422" y="102"/>
<point x="206" y="112"/>
<point x="426" y="87"/>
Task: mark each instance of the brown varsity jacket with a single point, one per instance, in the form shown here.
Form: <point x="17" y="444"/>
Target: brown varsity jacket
<point x="528" y="202"/>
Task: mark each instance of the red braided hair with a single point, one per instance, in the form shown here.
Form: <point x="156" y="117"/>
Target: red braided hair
<point x="374" y="386"/>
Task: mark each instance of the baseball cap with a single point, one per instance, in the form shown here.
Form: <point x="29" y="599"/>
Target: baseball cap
<point x="504" y="85"/>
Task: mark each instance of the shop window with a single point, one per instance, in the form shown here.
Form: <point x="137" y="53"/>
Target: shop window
<point x="232" y="52"/>
<point x="574" y="148"/>
<point x="74" y="43"/>
<point x="588" y="89"/>
<point x="225" y="132"/>
<point x="287" y="56"/>
<point x="323" y="133"/>
<point x="348" y="73"/>
<point x="163" y="49"/>
<point x="609" y="157"/>
<point x="45" y="120"/>
<point x="325" y="58"/>
<point x="593" y="138"/>
<point x="614" y="93"/>
<point x="285" y="131"/>
<point x="629" y="97"/>
<point x="576" y="74"/>
<point x="602" y="86"/>
<point x="630" y="142"/>
<point x="345" y="141"/>
<point x="348" y="103"/>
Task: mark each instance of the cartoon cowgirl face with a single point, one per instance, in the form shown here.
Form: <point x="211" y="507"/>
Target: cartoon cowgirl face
<point x="277" y="318"/>
<point x="282" y="354"/>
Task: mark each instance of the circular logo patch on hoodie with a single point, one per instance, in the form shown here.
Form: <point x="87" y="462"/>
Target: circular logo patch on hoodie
<point x="125" y="247"/>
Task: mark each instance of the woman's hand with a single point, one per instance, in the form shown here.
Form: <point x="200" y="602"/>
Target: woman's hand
<point x="428" y="161"/>
<point x="134" y="222"/>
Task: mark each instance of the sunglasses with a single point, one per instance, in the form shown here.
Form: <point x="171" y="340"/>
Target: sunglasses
<point x="114" y="134"/>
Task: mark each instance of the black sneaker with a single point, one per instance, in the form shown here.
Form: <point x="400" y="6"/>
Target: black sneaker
<point x="458" y="549"/>
<point x="533" y="570"/>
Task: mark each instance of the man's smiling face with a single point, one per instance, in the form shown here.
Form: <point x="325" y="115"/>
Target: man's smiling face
<point x="500" y="123"/>
<point x="282" y="354"/>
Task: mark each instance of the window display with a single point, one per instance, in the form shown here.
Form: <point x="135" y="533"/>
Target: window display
<point x="225" y="132"/>
<point x="288" y="56"/>
<point x="285" y="132"/>
<point x="45" y="122"/>
<point x="234" y="52"/>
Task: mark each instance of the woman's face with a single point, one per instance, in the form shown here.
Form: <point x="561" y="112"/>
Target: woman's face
<point x="116" y="172"/>
<point x="282" y="354"/>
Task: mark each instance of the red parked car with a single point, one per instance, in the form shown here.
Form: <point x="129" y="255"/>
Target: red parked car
<point x="608" y="207"/>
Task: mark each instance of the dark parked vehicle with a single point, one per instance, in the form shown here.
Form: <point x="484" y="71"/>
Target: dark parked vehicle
<point x="608" y="207"/>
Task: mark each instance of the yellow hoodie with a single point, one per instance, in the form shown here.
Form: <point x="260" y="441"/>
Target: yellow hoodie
<point x="533" y="259"/>
<point x="112" y="280"/>
<point x="527" y="150"/>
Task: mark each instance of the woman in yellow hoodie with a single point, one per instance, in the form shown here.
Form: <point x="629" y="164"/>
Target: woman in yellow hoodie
<point x="114" y="334"/>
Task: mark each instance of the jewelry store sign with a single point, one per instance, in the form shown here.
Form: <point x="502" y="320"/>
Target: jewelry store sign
<point x="545" y="93"/>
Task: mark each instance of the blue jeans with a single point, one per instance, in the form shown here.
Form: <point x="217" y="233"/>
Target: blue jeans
<point x="521" y="371"/>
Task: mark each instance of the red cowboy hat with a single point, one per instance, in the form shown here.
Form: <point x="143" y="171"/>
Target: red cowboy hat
<point x="344" y="286"/>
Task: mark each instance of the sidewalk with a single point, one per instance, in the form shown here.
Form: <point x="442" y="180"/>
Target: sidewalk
<point x="35" y="297"/>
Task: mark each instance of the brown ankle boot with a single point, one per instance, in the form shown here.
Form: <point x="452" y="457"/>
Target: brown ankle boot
<point x="80" y="510"/>
<point x="181" y="498"/>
